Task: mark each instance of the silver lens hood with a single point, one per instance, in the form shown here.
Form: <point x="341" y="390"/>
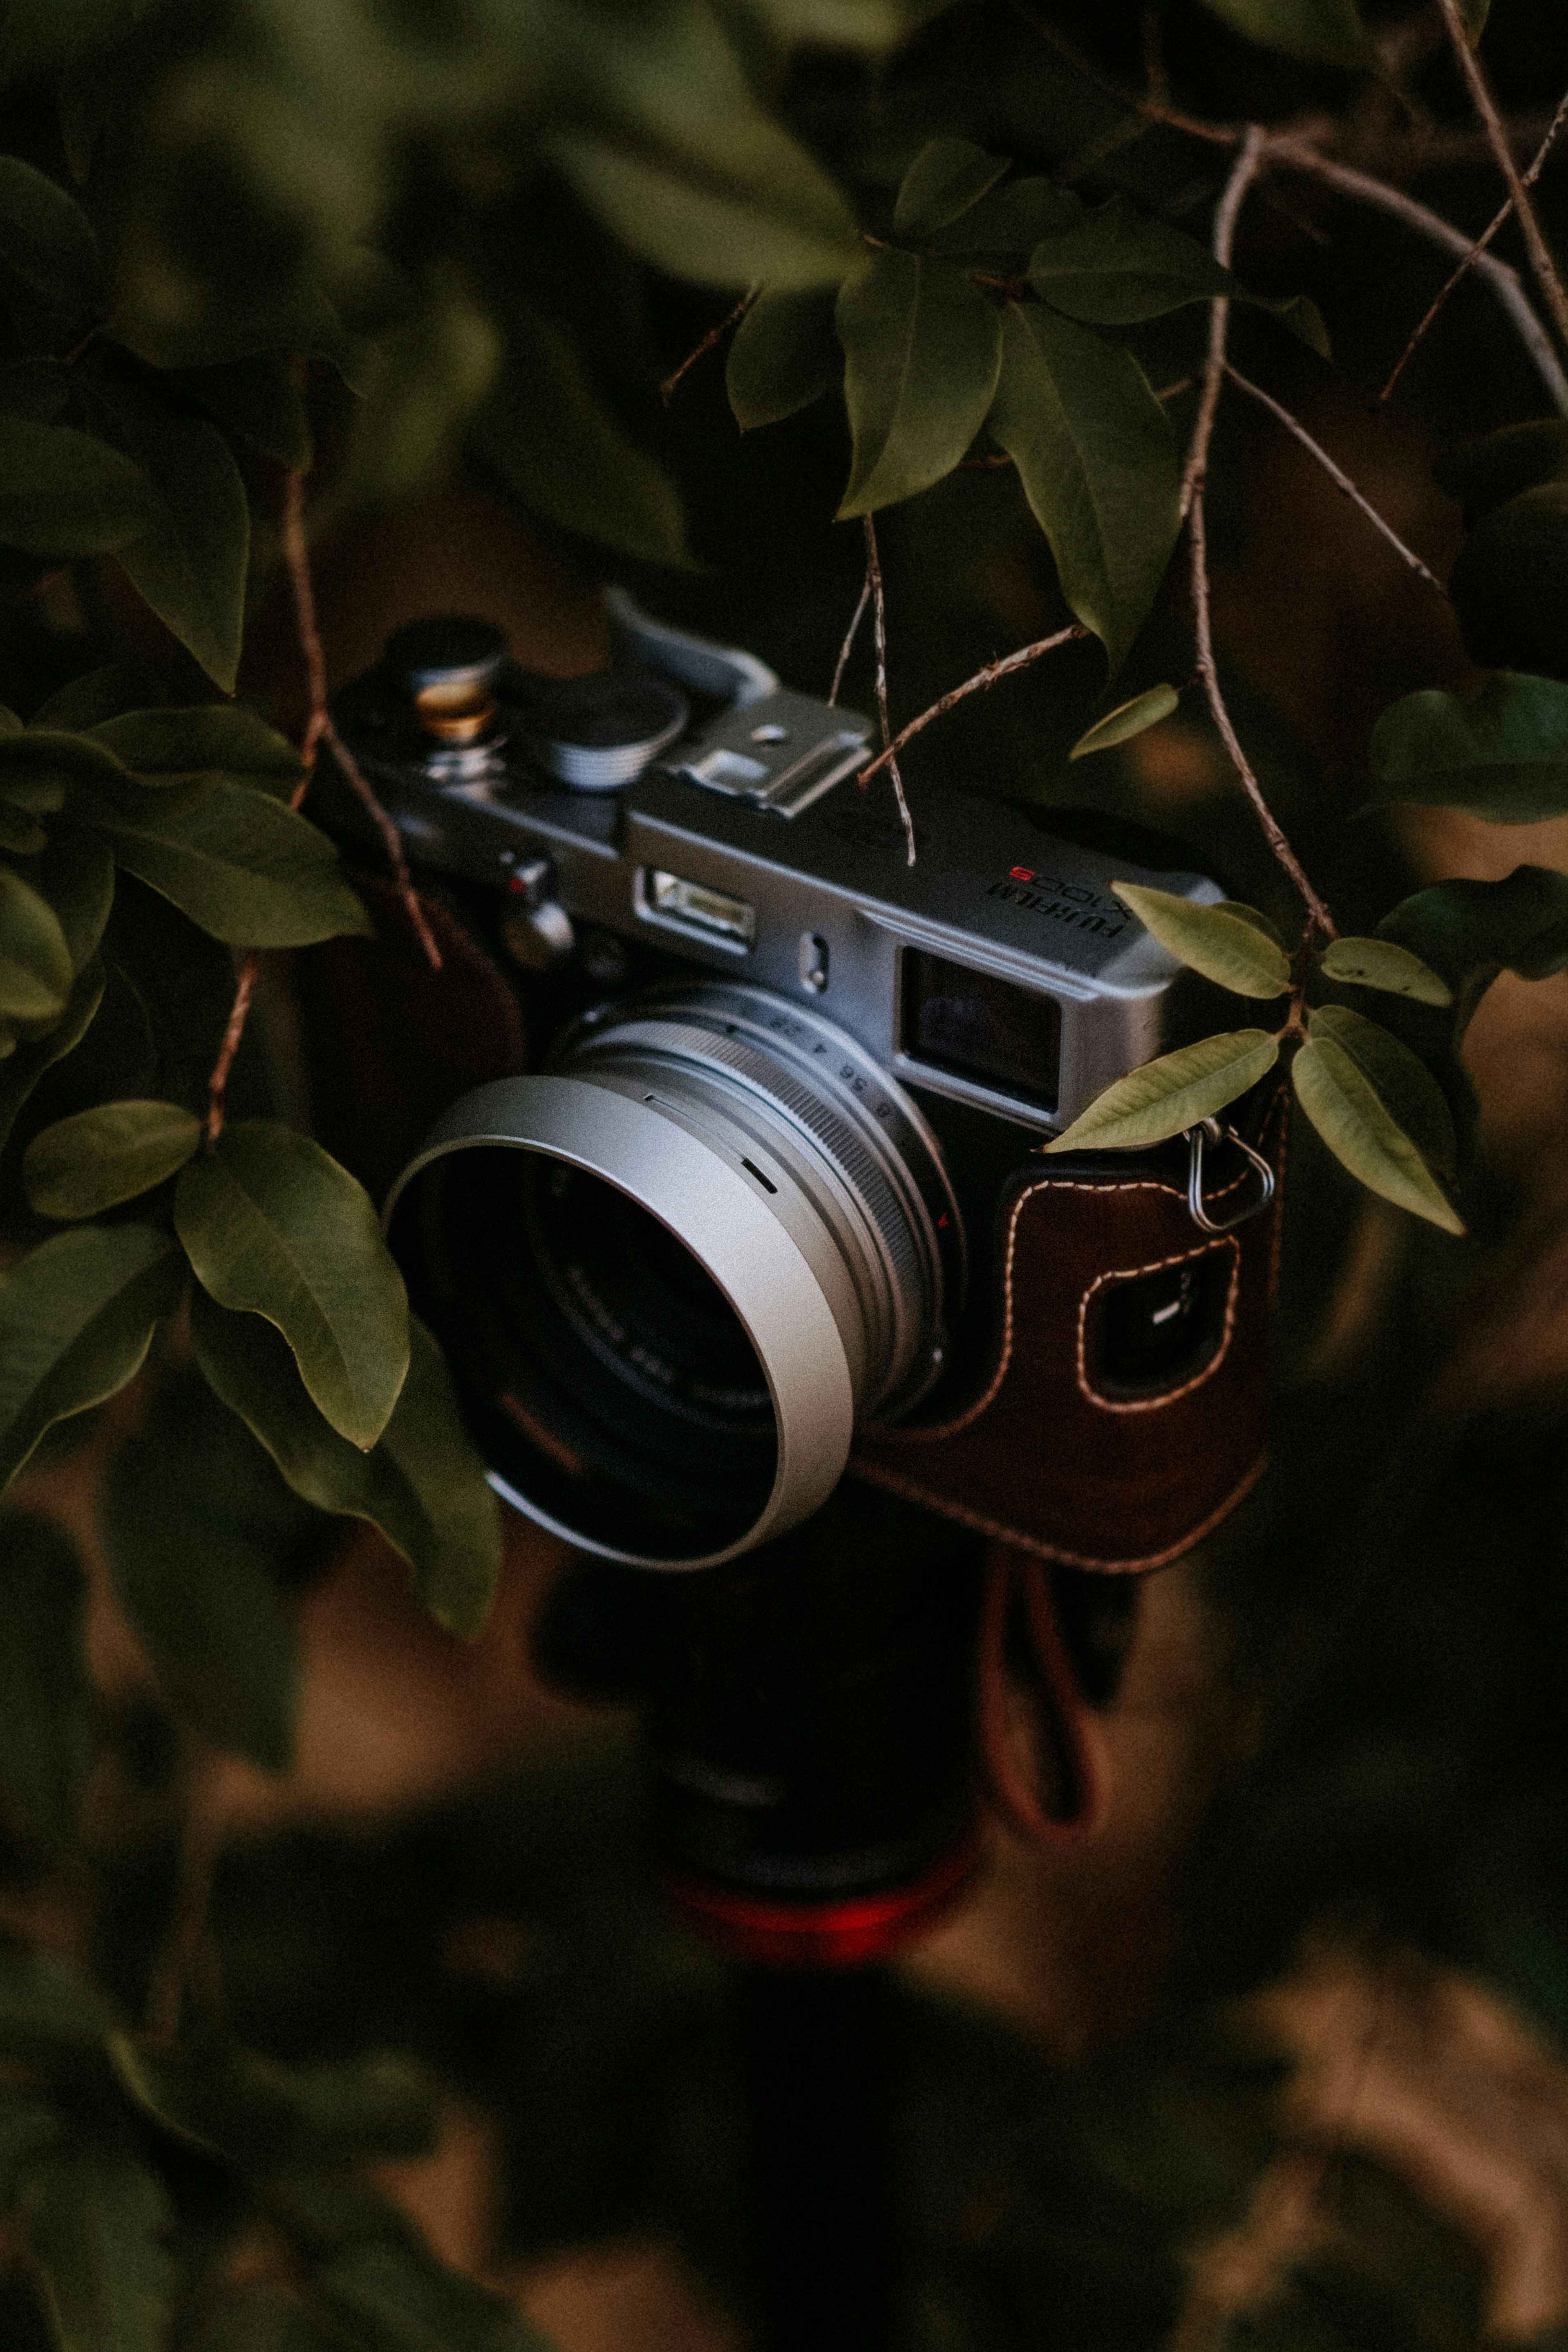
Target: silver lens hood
<point x="800" y="1180"/>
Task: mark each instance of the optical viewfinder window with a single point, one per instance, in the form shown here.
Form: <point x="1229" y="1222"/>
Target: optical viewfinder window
<point x="978" y="1026"/>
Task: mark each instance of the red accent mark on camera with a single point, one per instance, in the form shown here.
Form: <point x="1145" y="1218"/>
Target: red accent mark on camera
<point x="838" y="1935"/>
<point x="1022" y="872"/>
<point x="517" y="886"/>
<point x="942" y="1222"/>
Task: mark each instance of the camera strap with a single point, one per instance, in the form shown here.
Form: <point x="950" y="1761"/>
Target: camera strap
<point x="1017" y="1592"/>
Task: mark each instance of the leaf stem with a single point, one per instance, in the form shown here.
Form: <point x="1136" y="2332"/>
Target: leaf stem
<point x="1535" y="245"/>
<point x="890" y="759"/>
<point x="1247" y="165"/>
<point x="715" y="335"/>
<point x="1336" y="474"/>
<point x="850" y="634"/>
<point x="976" y="685"/>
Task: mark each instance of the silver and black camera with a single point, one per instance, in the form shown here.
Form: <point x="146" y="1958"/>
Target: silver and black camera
<point x="765" y="1186"/>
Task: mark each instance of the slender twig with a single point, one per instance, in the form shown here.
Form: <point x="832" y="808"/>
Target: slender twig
<point x="880" y="623"/>
<point x="976" y="685"/>
<point x="850" y="634"/>
<point x="1531" y="173"/>
<point x="318" y="730"/>
<point x="1296" y="156"/>
<point x="187" y="1926"/>
<point x="1218" y="134"/>
<point x="1535" y="245"/>
<point x="1336" y="474"/>
<point x="714" y="335"/>
<point x="1247" y="165"/>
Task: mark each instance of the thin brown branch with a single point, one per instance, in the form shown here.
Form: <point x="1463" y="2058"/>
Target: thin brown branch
<point x="1531" y="173"/>
<point x="1336" y="474"/>
<point x="1535" y="245"/>
<point x="1296" y="156"/>
<point x="327" y="733"/>
<point x="187" y="1932"/>
<point x="238" y="1013"/>
<point x="850" y="634"/>
<point x="1274" y="833"/>
<point x="714" y="335"/>
<point x="1247" y="165"/>
<point x="1218" y="134"/>
<point x="976" y="685"/>
<point x="879" y="622"/>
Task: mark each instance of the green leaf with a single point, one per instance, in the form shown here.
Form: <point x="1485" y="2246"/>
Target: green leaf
<point x="248" y="869"/>
<point x="95" y="2219"/>
<point x="211" y="739"/>
<point x="29" y="2128"/>
<point x="101" y="1156"/>
<point x="99" y="694"/>
<point x="201" y="1534"/>
<point x="922" y="347"/>
<point x="1232" y="947"/>
<point x="77" y="1317"/>
<point x="783" y="355"/>
<point x="191" y="564"/>
<point x="1165" y="1096"/>
<point x="51" y="2016"/>
<point x="266" y="2116"/>
<point x="274" y="1226"/>
<point x="1364" y="1093"/>
<point x="1097" y="462"/>
<point x="554" y="444"/>
<point x="392" y="2293"/>
<point x="1118" y="266"/>
<point x="798" y="231"/>
<point x="1488" y="470"/>
<point x="426" y="379"/>
<point x="257" y="399"/>
<point x="260" y="2319"/>
<point x="1327" y="32"/>
<point x="1379" y="963"/>
<point x="47" y="239"/>
<point x="175" y="989"/>
<point x="22" y="1070"/>
<point x="47" y="1703"/>
<point x="1502" y="756"/>
<point x="1473" y="14"/>
<point x="1466" y="929"/>
<point x="20" y="834"/>
<point x="946" y="178"/>
<point x="1003" y="229"/>
<point x="421" y="1484"/>
<point x="35" y="972"/>
<point x="65" y="493"/>
<point x="1129" y="718"/>
<point x="75" y="874"/>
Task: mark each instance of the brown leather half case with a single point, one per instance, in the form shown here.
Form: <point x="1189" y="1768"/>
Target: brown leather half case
<point x="1053" y="1457"/>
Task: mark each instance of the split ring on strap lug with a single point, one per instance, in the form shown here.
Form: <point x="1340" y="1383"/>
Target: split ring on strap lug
<point x="1208" y="1131"/>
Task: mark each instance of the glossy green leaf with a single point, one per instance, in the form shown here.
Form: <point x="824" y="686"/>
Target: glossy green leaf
<point x="212" y="739"/>
<point x="796" y="231"/>
<point x="1226" y="947"/>
<point x="98" y="695"/>
<point x="95" y="2219"/>
<point x="1502" y="755"/>
<point x="257" y="399"/>
<point x="237" y="862"/>
<point x="30" y="2127"/>
<point x="21" y="1070"/>
<point x="265" y="2116"/>
<point x="100" y="1157"/>
<point x="1465" y="929"/>
<point x="47" y="1701"/>
<point x="1118" y="266"/>
<point x="422" y="1483"/>
<point x="1379" y="963"/>
<point x="201" y="1534"/>
<point x="175" y="987"/>
<point x="1129" y="718"/>
<point x="275" y="1227"/>
<point x="390" y="2292"/>
<point x="75" y="874"/>
<point x="47" y="239"/>
<point x="1326" y="32"/>
<point x="21" y="836"/>
<point x="946" y="178"/>
<point x="51" y="2015"/>
<point x="77" y="1317"/>
<point x="782" y="356"/>
<point x="1097" y="462"/>
<point x="65" y="493"/>
<point x="426" y="381"/>
<point x="35" y="972"/>
<point x="1164" y="1097"/>
<point x="921" y="347"/>
<point x="547" y="434"/>
<point x="1364" y="1092"/>
<point x="191" y="564"/>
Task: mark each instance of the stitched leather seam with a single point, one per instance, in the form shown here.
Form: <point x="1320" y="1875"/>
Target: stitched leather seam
<point x="934" y="1501"/>
<point x="1130" y="1274"/>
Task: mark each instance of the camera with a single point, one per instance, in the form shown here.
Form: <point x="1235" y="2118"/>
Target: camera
<point x="753" y="1190"/>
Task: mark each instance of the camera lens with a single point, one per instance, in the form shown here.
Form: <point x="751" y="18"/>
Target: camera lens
<point x="674" y="1273"/>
